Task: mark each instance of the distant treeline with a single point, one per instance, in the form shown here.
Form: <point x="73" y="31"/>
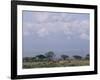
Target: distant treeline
<point x="51" y="56"/>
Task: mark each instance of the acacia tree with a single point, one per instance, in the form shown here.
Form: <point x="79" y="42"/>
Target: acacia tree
<point x="77" y="57"/>
<point x="50" y="55"/>
<point x="33" y="58"/>
<point x="64" y="57"/>
<point x="40" y="57"/>
<point x="27" y="59"/>
<point x="87" y="57"/>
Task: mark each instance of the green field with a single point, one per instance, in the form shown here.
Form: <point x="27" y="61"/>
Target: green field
<point x="61" y="63"/>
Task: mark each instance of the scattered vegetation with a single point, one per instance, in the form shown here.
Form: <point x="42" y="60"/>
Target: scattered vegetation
<point x="49" y="60"/>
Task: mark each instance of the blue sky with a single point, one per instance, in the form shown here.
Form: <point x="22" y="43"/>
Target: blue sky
<point x="63" y="33"/>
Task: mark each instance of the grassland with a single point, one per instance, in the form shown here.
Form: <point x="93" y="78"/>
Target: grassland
<point x="61" y="63"/>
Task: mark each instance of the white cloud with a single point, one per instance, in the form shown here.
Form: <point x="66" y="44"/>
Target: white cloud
<point x="40" y="17"/>
<point x="29" y="24"/>
<point x="69" y="29"/>
<point x="84" y="36"/>
<point x="26" y="33"/>
<point x="79" y="28"/>
<point x="42" y="32"/>
<point x="53" y="23"/>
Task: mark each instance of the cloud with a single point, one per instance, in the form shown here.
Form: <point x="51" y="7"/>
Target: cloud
<point x="26" y="33"/>
<point x="48" y="24"/>
<point x="42" y="32"/>
<point x="40" y="16"/>
<point x="77" y="28"/>
<point x="29" y="25"/>
<point x="84" y="36"/>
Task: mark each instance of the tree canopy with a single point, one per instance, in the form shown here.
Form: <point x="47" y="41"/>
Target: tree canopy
<point x="77" y="57"/>
<point x="50" y="55"/>
<point x="64" y="57"/>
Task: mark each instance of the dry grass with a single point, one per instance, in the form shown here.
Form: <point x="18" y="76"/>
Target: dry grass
<point x="62" y="63"/>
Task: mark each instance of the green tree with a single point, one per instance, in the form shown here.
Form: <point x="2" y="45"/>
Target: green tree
<point x="50" y="55"/>
<point x="77" y="57"/>
<point x="87" y="57"/>
<point x="64" y="57"/>
<point x="27" y="59"/>
<point x="40" y="57"/>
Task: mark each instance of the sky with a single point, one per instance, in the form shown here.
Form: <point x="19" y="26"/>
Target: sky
<point x="60" y="32"/>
